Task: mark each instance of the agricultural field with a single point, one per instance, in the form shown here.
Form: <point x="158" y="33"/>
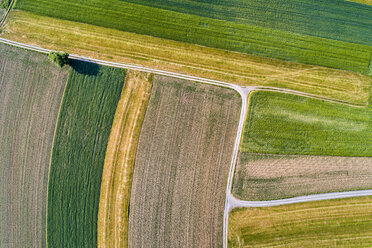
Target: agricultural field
<point x="243" y="69"/>
<point x="261" y="177"/>
<point x="119" y="160"/>
<point x="280" y="123"/>
<point x="182" y="162"/>
<point x="332" y="223"/>
<point x="324" y="19"/>
<point x="31" y="90"/>
<point x="89" y="103"/>
<point x="231" y="26"/>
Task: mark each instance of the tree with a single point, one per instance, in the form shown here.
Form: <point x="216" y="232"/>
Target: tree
<point x="4" y="4"/>
<point x="59" y="58"/>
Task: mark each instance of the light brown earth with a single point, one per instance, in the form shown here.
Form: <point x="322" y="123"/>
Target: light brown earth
<point x="31" y="90"/>
<point x="238" y="68"/>
<point x="119" y="160"/>
<point x="181" y="167"/>
<point x="268" y="177"/>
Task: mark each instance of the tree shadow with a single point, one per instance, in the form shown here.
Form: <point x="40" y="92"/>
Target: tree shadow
<point x="85" y="68"/>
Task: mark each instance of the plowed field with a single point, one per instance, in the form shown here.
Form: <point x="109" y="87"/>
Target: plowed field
<point x="31" y="90"/>
<point x="268" y="177"/>
<point x="181" y="166"/>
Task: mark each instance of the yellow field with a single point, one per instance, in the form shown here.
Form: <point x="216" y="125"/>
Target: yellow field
<point x="238" y="68"/>
<point x="119" y="160"/>
<point x="332" y="223"/>
<point x="368" y="2"/>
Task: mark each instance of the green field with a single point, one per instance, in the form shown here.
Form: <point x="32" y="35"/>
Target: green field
<point x="84" y="125"/>
<point x="281" y="123"/>
<point x="332" y="223"/>
<point x="336" y="20"/>
<point x="225" y="26"/>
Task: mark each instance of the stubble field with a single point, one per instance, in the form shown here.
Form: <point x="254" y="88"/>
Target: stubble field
<point x="181" y="166"/>
<point x="238" y="68"/>
<point x="333" y="223"/>
<point x="267" y="177"/>
<point x="119" y="160"/>
<point x="31" y="90"/>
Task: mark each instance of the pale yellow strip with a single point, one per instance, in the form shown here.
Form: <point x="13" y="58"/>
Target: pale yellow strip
<point x="367" y="2"/>
<point x="119" y="160"/>
<point x="238" y="68"/>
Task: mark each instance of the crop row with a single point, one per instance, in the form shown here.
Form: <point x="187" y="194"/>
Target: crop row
<point x="84" y="125"/>
<point x="337" y="20"/>
<point x="288" y="124"/>
<point x="210" y="32"/>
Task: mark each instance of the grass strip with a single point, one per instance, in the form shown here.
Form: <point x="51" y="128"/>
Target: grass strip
<point x="237" y="68"/>
<point x="331" y="223"/>
<point x="121" y="150"/>
<point x="232" y="35"/>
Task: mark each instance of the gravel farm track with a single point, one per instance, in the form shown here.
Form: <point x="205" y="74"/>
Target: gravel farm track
<point x="230" y="201"/>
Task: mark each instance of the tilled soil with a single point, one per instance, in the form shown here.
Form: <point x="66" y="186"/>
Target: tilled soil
<point x="181" y="166"/>
<point x="268" y="177"/>
<point x="31" y="90"/>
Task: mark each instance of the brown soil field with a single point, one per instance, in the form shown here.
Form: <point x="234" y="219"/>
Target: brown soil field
<point x="119" y="160"/>
<point x="268" y="177"/>
<point x="181" y="167"/>
<point x="31" y="90"/>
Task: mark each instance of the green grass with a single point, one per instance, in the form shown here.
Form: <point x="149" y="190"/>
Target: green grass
<point x="84" y="125"/>
<point x="336" y="20"/>
<point x="223" y="26"/>
<point x="332" y="223"/>
<point x="287" y="124"/>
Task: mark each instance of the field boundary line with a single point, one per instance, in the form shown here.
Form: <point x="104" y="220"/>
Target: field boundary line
<point x="243" y="91"/>
<point x="50" y="161"/>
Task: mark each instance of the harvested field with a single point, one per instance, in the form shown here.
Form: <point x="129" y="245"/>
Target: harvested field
<point x="181" y="166"/>
<point x="117" y="170"/>
<point x="280" y="123"/>
<point x="332" y="223"/>
<point x="326" y="33"/>
<point x="269" y="177"/>
<point x="31" y="90"/>
<point x="83" y="129"/>
<point x="237" y="68"/>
